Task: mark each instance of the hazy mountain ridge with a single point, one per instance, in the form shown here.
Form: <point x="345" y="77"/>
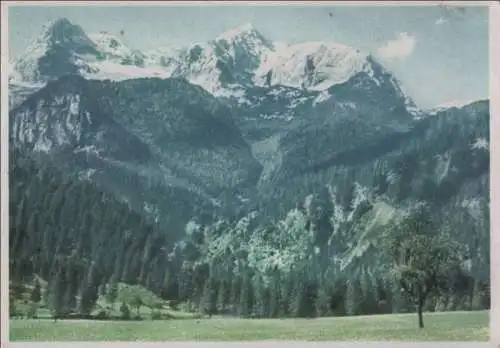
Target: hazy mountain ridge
<point x="247" y="163"/>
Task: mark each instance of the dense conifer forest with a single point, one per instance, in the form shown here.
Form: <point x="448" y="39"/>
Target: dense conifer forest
<point x="75" y="244"/>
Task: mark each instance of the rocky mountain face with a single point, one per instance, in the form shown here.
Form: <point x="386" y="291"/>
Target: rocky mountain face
<point x="239" y="132"/>
<point x="165" y="137"/>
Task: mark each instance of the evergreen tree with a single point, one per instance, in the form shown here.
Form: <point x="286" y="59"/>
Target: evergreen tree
<point x="111" y="293"/>
<point x="353" y="297"/>
<point x="246" y="297"/>
<point x="55" y="294"/>
<point x="89" y="291"/>
<point x="288" y="297"/>
<point x="234" y="297"/>
<point x="305" y="296"/>
<point x="222" y="298"/>
<point x="36" y="294"/>
<point x="323" y="302"/>
<point x="208" y="303"/>
<point x="368" y="301"/>
<point x="338" y="297"/>
<point x="275" y="296"/>
<point x="259" y="307"/>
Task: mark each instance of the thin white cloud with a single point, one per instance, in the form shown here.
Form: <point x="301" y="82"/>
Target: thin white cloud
<point x="441" y="20"/>
<point x="399" y="48"/>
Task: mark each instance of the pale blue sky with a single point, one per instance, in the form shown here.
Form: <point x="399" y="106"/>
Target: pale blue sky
<point x="440" y="56"/>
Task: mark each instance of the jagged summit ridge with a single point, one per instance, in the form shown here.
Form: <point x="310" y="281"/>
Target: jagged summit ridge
<point x="240" y="56"/>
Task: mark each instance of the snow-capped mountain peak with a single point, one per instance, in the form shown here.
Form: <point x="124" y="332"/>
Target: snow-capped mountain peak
<point x="243" y="45"/>
<point x="314" y="65"/>
<point x="59" y="50"/>
<point x="63" y="31"/>
<point x="230" y="59"/>
<point x="110" y="44"/>
<point x="61" y="34"/>
<point x="239" y="32"/>
<point x="240" y="56"/>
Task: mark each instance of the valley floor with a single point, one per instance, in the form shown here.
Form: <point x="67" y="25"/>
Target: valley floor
<point x="448" y="326"/>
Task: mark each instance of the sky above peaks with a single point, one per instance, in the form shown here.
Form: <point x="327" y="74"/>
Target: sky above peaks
<point x="439" y="54"/>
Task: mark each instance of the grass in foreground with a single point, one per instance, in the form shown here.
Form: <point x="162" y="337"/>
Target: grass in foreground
<point x="450" y="326"/>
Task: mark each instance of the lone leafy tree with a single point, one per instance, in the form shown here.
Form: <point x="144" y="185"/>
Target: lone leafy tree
<point x="422" y="260"/>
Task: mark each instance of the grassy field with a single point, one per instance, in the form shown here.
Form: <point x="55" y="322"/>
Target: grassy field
<point x="450" y="326"/>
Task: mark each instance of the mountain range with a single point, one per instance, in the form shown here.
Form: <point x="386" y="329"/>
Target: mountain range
<point x="248" y="131"/>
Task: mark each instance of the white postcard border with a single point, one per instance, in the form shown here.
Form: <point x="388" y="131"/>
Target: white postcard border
<point x="494" y="187"/>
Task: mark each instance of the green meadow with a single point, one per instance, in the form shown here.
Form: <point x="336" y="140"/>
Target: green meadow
<point x="446" y="326"/>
